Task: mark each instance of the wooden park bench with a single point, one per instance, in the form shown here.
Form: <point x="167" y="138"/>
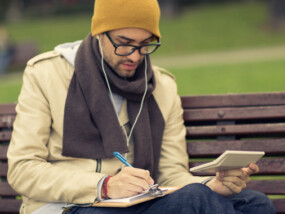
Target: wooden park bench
<point x="10" y="201"/>
<point x="215" y="123"/>
<point x="253" y="122"/>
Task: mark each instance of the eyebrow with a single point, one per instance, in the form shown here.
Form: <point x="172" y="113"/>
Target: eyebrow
<point x="132" y="40"/>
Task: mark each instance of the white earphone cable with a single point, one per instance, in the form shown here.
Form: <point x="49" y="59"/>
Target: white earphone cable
<point x="128" y="137"/>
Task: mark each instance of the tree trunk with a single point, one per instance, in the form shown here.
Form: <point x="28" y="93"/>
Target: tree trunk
<point x="277" y="14"/>
<point x="4" y="5"/>
<point x="169" y="8"/>
<point x="15" y="10"/>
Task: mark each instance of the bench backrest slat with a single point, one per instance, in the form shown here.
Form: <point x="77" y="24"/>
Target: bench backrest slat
<point x="6" y="121"/>
<point x="3" y="170"/>
<point x="270" y="166"/>
<point x="279" y="205"/>
<point x="7" y="109"/>
<point x="236" y="100"/>
<point x="7" y="191"/>
<point x="222" y="130"/>
<point x="214" y="148"/>
<point x="5" y="135"/>
<point x="266" y="186"/>
<point x="233" y="113"/>
<point x="10" y="206"/>
<point x="3" y="153"/>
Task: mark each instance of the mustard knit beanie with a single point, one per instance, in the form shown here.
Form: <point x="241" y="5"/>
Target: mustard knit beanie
<point x="117" y="14"/>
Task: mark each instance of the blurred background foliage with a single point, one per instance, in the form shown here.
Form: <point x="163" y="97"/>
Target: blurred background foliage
<point x="189" y="28"/>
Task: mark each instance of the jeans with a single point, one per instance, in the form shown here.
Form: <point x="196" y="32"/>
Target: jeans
<point x="194" y="199"/>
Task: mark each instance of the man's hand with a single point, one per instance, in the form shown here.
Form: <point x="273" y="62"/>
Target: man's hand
<point x="130" y="181"/>
<point x="232" y="181"/>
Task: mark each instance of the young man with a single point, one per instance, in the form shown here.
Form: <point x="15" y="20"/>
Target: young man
<point x="88" y="99"/>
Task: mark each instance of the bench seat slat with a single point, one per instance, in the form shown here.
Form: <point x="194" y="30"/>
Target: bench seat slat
<point x="215" y="148"/>
<point x="272" y="112"/>
<point x="270" y="166"/>
<point x="6" y="190"/>
<point x="10" y="206"/>
<point x="251" y="129"/>
<point x="228" y="100"/>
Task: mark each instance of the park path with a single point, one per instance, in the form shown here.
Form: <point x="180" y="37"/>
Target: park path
<point x="221" y="57"/>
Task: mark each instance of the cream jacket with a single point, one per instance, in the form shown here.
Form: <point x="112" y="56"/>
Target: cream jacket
<point x="39" y="172"/>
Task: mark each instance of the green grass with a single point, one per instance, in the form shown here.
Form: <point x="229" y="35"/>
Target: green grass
<point x="233" y="78"/>
<point x="219" y="27"/>
<point x="10" y="86"/>
<point x="49" y="32"/>
<point x="228" y="78"/>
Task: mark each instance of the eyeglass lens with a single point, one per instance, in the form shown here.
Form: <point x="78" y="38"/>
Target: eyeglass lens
<point x="125" y="50"/>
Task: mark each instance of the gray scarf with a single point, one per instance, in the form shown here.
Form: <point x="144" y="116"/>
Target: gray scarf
<point x="91" y="127"/>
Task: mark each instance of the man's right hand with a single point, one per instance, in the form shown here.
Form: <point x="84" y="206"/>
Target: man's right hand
<point x="129" y="182"/>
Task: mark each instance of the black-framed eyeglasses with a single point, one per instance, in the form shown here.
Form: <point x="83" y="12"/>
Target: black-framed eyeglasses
<point x="126" y="50"/>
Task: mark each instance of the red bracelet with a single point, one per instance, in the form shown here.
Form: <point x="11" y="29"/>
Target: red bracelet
<point x="105" y="186"/>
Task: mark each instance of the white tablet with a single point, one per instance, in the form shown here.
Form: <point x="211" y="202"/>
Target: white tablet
<point x="230" y="159"/>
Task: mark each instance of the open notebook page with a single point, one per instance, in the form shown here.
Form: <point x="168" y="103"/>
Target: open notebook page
<point x="145" y="194"/>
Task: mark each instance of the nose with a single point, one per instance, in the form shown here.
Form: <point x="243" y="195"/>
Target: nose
<point x="135" y="56"/>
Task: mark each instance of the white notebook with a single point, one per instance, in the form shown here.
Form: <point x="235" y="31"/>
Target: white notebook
<point x="130" y="201"/>
<point x="230" y="159"/>
<point x="144" y="194"/>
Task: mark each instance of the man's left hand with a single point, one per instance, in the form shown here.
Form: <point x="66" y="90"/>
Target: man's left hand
<point x="231" y="182"/>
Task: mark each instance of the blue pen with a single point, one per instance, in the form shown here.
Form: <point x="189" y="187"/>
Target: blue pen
<point x="122" y="159"/>
<point x="154" y="190"/>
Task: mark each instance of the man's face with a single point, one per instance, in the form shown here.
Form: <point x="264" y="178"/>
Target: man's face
<point x="125" y="66"/>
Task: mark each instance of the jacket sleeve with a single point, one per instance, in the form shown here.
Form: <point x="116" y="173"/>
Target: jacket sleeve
<point x="29" y="172"/>
<point x="174" y="161"/>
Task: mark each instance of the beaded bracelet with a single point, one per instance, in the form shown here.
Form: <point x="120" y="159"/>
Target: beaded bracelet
<point x="105" y="186"/>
